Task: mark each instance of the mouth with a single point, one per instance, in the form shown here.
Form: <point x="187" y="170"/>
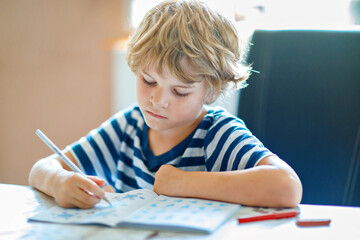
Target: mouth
<point x="156" y="115"/>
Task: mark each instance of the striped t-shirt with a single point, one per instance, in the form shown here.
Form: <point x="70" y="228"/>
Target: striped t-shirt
<point x="118" y="150"/>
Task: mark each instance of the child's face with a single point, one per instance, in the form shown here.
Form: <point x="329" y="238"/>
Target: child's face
<point x="168" y="104"/>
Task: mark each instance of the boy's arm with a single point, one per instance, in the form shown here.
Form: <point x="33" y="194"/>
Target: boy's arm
<point x="272" y="183"/>
<point x="53" y="177"/>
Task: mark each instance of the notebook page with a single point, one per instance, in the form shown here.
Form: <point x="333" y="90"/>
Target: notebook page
<point x="183" y="213"/>
<point x="122" y="205"/>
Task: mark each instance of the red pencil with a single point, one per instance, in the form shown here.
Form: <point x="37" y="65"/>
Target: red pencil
<point x="270" y="216"/>
<point x="312" y="222"/>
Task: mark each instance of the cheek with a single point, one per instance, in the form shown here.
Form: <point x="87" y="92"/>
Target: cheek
<point x="141" y="91"/>
<point x="187" y="109"/>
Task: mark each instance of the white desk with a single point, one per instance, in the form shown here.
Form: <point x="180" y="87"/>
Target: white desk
<point x="17" y="203"/>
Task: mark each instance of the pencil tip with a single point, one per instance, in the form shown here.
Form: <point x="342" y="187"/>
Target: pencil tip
<point x="107" y="200"/>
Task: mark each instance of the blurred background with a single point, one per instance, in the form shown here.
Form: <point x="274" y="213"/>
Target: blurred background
<point x="62" y="65"/>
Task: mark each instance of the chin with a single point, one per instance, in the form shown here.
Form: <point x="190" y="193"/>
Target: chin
<point x="155" y="125"/>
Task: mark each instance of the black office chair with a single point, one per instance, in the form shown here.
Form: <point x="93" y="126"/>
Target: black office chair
<point x="304" y="105"/>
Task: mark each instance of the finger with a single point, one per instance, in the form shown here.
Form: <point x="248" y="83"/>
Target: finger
<point x="69" y="204"/>
<point x="84" y="199"/>
<point x="70" y="198"/>
<point x="81" y="204"/>
<point x="100" y="182"/>
<point x="90" y="186"/>
<point x="109" y="188"/>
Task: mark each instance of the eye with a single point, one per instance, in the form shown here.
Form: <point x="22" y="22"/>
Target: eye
<point x="148" y="82"/>
<point x="177" y="93"/>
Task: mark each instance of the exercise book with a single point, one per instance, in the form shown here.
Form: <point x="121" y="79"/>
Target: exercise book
<point x="144" y="208"/>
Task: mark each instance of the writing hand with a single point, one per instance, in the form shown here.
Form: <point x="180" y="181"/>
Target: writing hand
<point x="76" y="190"/>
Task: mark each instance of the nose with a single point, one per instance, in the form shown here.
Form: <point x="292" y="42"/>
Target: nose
<point x="158" y="98"/>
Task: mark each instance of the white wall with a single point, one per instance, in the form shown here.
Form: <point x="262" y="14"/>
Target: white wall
<point x="123" y="80"/>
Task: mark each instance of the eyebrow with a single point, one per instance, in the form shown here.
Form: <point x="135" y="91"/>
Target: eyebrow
<point x="178" y="86"/>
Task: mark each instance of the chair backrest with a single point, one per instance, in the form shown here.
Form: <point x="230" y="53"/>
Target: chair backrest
<point x="304" y="105"/>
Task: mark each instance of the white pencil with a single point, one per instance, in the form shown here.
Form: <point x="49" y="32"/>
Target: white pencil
<point x="68" y="162"/>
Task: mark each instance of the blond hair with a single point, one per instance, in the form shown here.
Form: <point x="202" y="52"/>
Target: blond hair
<point x="189" y="29"/>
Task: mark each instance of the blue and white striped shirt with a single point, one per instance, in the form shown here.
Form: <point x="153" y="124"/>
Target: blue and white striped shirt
<point x="118" y="150"/>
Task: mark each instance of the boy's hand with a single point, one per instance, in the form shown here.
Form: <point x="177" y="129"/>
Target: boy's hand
<point x="74" y="190"/>
<point x="169" y="181"/>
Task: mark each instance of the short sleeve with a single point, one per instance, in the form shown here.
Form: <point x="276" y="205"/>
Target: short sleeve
<point x="229" y="145"/>
<point x="97" y="152"/>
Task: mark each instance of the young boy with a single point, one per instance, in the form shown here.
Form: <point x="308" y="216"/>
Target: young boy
<point x="184" y="55"/>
